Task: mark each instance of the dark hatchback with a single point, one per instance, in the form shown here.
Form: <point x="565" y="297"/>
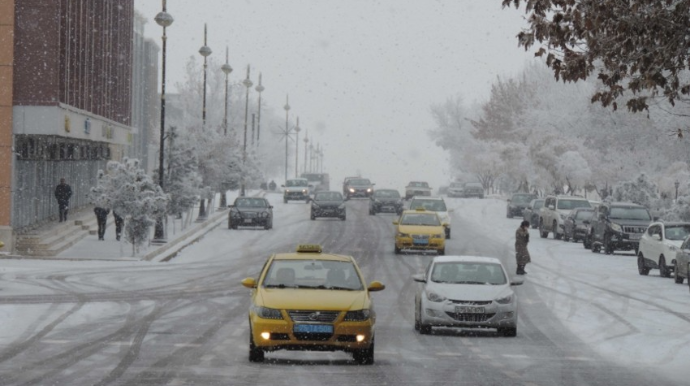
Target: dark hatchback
<point x="328" y="204"/>
<point x="386" y="201"/>
<point x="359" y="187"/>
<point x="531" y="213"/>
<point x="576" y="225"/>
<point x="250" y="211"/>
<point x="517" y="203"/>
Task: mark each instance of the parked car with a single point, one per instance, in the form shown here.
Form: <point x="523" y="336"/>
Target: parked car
<point x="555" y="210"/>
<point x="359" y="187"/>
<point x="682" y="267"/>
<point x="576" y="224"/>
<point x="466" y="292"/>
<point x="531" y="212"/>
<point x="455" y="189"/>
<point x="309" y="300"/>
<point x="434" y="204"/>
<point x="517" y="203"/>
<point x="659" y="246"/>
<point x="328" y="204"/>
<point x="473" y="189"/>
<point x="250" y="211"/>
<point x="417" y="188"/>
<point x="618" y="226"/>
<point x="296" y="189"/>
<point x="385" y="201"/>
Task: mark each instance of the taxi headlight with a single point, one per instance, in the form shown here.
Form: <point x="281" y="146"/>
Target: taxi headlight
<point x="616" y="228"/>
<point x="357" y="316"/>
<point x="434" y="297"/>
<point x="504" y="300"/>
<point x="403" y="235"/>
<point x="268" y="313"/>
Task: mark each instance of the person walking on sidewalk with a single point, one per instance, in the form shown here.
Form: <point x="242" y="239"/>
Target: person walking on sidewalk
<point x="521" y="253"/>
<point x="102" y="218"/>
<point x="119" y="222"/>
<point x="63" y="193"/>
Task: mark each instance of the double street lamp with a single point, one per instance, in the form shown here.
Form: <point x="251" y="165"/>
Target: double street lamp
<point x="259" y="88"/>
<point x="248" y="84"/>
<point x="297" y="130"/>
<point x="226" y="70"/>
<point x="205" y="51"/>
<point x="163" y="19"/>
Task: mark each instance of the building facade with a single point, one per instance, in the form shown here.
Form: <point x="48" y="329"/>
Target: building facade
<point x="67" y="93"/>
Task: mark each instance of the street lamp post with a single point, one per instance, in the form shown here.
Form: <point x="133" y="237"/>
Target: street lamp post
<point x="259" y="88"/>
<point x="248" y="84"/>
<point x="297" y="130"/>
<point x="226" y="70"/>
<point x="311" y="158"/>
<point x="287" y="133"/>
<point x="205" y="51"/>
<point x="676" y="184"/>
<point x="306" y="141"/>
<point x="163" y="19"/>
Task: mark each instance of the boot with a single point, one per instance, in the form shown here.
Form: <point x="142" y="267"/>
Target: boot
<point x="520" y="270"/>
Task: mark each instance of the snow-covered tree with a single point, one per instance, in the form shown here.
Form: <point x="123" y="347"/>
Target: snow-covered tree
<point x="126" y="189"/>
<point x="182" y="180"/>
<point x="640" y="191"/>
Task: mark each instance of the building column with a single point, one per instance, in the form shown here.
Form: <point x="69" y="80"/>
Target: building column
<point x="6" y="157"/>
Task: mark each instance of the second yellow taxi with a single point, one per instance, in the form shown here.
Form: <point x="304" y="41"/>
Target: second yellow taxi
<point x="420" y="230"/>
<point x="309" y="300"/>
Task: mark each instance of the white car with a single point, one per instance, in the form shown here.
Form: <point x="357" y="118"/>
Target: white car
<point x="433" y="204"/>
<point x="455" y="189"/>
<point x="659" y="245"/>
<point x="466" y="292"/>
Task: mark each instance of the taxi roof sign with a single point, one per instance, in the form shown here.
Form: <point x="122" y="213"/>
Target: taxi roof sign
<point x="421" y="209"/>
<point x="309" y="248"/>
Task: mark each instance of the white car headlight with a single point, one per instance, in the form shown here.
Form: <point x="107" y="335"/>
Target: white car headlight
<point x="434" y="297"/>
<point x="505" y="300"/>
<point x="616" y="228"/>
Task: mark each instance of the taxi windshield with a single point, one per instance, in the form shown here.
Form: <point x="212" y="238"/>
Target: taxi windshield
<point x="424" y="219"/>
<point x="313" y="274"/>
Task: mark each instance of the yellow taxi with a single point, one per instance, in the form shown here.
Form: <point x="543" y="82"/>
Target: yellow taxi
<point x="420" y="230"/>
<point x="310" y="300"/>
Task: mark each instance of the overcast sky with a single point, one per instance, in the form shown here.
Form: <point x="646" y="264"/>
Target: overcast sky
<point x="361" y="74"/>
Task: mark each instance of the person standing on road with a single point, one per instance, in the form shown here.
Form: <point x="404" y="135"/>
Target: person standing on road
<point x="101" y="218"/>
<point x="521" y="253"/>
<point x="63" y="193"/>
<point x="119" y="222"/>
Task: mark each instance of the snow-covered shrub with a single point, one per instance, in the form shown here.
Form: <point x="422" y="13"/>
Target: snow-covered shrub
<point x="640" y="191"/>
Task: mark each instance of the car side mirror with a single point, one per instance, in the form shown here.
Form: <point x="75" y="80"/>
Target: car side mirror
<point x="419" y="278"/>
<point x="231" y="206"/>
<point x="311" y="186"/>
<point x="395" y="222"/>
<point x="656" y="237"/>
<point x="517" y="282"/>
<point x="249" y="282"/>
<point x="376" y="286"/>
<point x="445" y="224"/>
<point x="270" y="207"/>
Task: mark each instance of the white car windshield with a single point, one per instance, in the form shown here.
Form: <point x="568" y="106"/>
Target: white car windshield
<point x="296" y="183"/>
<point x="677" y="232"/>
<point x="468" y="273"/>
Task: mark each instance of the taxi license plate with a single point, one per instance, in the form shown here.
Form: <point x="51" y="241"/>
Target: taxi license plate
<point x="469" y="310"/>
<point x="314" y="328"/>
<point x="421" y="242"/>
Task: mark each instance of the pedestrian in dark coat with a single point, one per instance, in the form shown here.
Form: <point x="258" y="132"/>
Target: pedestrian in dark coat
<point x="521" y="253"/>
<point x="102" y="218"/>
<point x="63" y="193"/>
<point x="119" y="222"/>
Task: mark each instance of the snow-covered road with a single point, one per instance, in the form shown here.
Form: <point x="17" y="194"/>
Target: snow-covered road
<point x="585" y="319"/>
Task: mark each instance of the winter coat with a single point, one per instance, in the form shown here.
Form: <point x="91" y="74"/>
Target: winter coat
<point x="63" y="192"/>
<point x="521" y="252"/>
<point x="101" y="213"/>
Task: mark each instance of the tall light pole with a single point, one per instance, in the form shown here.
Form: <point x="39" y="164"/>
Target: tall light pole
<point x="311" y="158"/>
<point x="226" y="70"/>
<point x="306" y="150"/>
<point x="677" y="183"/>
<point x="287" y="133"/>
<point x="163" y="19"/>
<point x="259" y="88"/>
<point x="248" y="84"/>
<point x="205" y="51"/>
<point x="297" y="130"/>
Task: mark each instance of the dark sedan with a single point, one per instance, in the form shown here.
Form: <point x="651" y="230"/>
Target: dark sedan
<point x="576" y="225"/>
<point x="531" y="213"/>
<point x="328" y="204"/>
<point x="517" y="203"/>
<point x="252" y="212"/>
<point x="386" y="201"/>
<point x="359" y="187"/>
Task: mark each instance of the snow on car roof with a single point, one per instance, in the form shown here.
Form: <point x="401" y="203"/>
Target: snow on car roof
<point x="466" y="259"/>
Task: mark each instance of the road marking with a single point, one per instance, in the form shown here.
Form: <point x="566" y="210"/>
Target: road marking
<point x="516" y="356"/>
<point x="581" y="359"/>
<point x="55" y="341"/>
<point x="119" y="343"/>
<point x="187" y="345"/>
<point x="448" y="354"/>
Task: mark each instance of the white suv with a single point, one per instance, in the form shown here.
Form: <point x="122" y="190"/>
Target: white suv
<point x="433" y="204"/>
<point x="659" y="245"/>
<point x="554" y="212"/>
